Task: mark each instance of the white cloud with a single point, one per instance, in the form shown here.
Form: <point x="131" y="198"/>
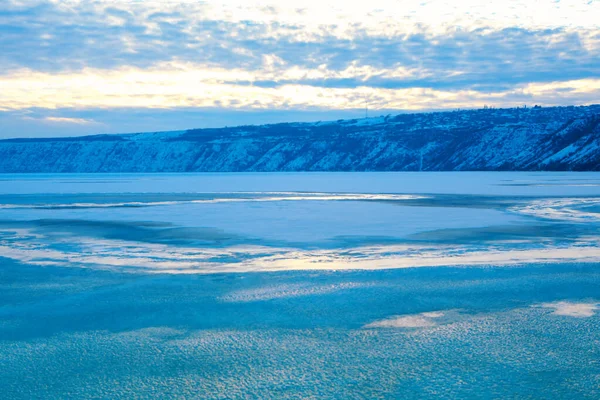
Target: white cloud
<point x="65" y="120"/>
<point x="409" y="55"/>
<point x="343" y="18"/>
<point x="168" y="86"/>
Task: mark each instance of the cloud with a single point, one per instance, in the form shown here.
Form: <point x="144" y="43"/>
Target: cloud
<point x="250" y="55"/>
<point x="30" y="122"/>
<point x="172" y="86"/>
<point x="436" y="39"/>
<point x="64" y="120"/>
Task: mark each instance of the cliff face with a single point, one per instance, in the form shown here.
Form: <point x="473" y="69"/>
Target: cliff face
<point x="556" y="138"/>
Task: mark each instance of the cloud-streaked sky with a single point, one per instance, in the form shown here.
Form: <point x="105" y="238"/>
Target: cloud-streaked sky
<point x="73" y="67"/>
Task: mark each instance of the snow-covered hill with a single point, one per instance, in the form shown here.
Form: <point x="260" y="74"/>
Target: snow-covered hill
<point x="555" y="138"/>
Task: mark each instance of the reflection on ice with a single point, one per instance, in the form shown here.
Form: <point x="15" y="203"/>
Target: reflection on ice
<point x="563" y="209"/>
<point x="305" y="287"/>
<point x="130" y="256"/>
<point x="422" y="320"/>
<point x="234" y="197"/>
<point x="237" y="231"/>
<point x="570" y="309"/>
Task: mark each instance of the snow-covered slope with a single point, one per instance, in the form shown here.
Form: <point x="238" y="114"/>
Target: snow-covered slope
<point x="556" y="138"/>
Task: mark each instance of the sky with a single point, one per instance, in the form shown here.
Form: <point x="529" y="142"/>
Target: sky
<point x="75" y="67"/>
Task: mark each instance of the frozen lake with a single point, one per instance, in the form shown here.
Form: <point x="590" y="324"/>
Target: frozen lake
<point x="312" y="285"/>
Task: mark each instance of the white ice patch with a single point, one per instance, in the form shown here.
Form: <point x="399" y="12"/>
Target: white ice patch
<point x="423" y="320"/>
<point x="289" y="291"/>
<point x="237" y="197"/>
<point x="565" y="209"/>
<point x="130" y="256"/>
<point x="18" y="234"/>
<point x="578" y="310"/>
